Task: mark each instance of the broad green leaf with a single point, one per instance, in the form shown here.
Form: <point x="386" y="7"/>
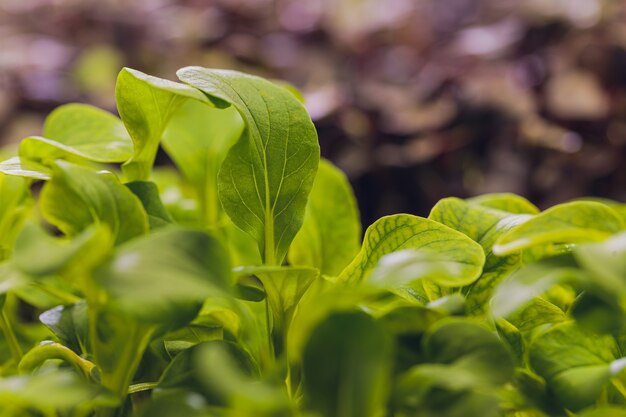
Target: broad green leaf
<point x="146" y="104"/>
<point x="10" y="279"/>
<point x="533" y="280"/>
<point x="577" y="366"/>
<point x="575" y="222"/>
<point x="607" y="261"/>
<point x="39" y="254"/>
<point x="434" y="240"/>
<point x="227" y="375"/>
<point x="79" y="130"/>
<point x="183" y="372"/>
<point x="177" y="404"/>
<point x="21" y="167"/>
<point x="267" y="175"/>
<point x="464" y="361"/>
<point x="331" y="233"/>
<point x="483" y="225"/>
<point x="15" y="207"/>
<point x="69" y="324"/>
<point x="49" y="391"/>
<point x="470" y="348"/>
<point x="346" y="367"/>
<point x="536" y="313"/>
<point x="78" y="197"/>
<point x="164" y="277"/>
<point x="198" y="138"/>
<point x="148" y="194"/>
<point x="606" y="411"/>
<point x="599" y="314"/>
<point x="508" y="202"/>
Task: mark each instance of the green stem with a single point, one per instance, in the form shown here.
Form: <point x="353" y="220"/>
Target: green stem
<point x="9" y="334"/>
<point x="268" y="326"/>
<point x="142" y="386"/>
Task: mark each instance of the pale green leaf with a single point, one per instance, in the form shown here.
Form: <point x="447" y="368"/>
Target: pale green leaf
<point x="575" y="222"/>
<point x="511" y="203"/>
<point x="347" y="365"/>
<point x="198" y="138"/>
<point x="165" y="276"/>
<point x="483" y="225"/>
<point x="576" y="365"/>
<point x="433" y="240"/>
<point x="79" y="130"/>
<point x="331" y="233"/>
<point x="25" y="168"/>
<point x="267" y="175"/>
<point x="78" y="197"/>
<point x="146" y="104"/>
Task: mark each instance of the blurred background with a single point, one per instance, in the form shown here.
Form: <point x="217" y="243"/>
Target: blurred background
<point x="414" y="99"/>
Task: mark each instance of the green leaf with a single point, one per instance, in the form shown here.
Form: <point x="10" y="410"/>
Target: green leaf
<point x="39" y="254"/>
<point x="470" y="348"/>
<point x="532" y="281"/>
<point x="266" y="177"/>
<point x="225" y="372"/>
<point x="48" y="392"/>
<point x="465" y="361"/>
<point x="15" y="207"/>
<point x="79" y="130"/>
<point x="25" y="168"/>
<point x="606" y="411"/>
<point x="578" y="377"/>
<point x="331" y="233"/>
<point x="607" y="262"/>
<point x="77" y="197"/>
<point x="575" y="222"/>
<point x="146" y="104"/>
<point x="432" y="240"/>
<point x="183" y="373"/>
<point x="508" y="202"/>
<point x="164" y="277"/>
<point x="148" y="194"/>
<point x="284" y="287"/>
<point x="346" y="366"/>
<point x="198" y="138"/>
<point x="69" y="324"/>
<point x="483" y="225"/>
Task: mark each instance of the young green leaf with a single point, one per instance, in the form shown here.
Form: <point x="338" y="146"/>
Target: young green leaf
<point x="607" y="262"/>
<point x="198" y="138"/>
<point x="146" y="104"/>
<point x="39" y="254"/>
<point x="48" y="392"/>
<point x="22" y="167"/>
<point x="15" y="207"/>
<point x="148" y="194"/>
<point x="70" y="325"/>
<point x="164" y="277"/>
<point x="578" y="377"/>
<point x="78" y="197"/>
<point x="346" y="367"/>
<point x="331" y="233"/>
<point x="483" y="225"/>
<point x="433" y="240"/>
<point x="508" y="202"/>
<point x="575" y="222"/>
<point x="268" y="174"/>
<point x="79" y="131"/>
<point x="532" y="281"/>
